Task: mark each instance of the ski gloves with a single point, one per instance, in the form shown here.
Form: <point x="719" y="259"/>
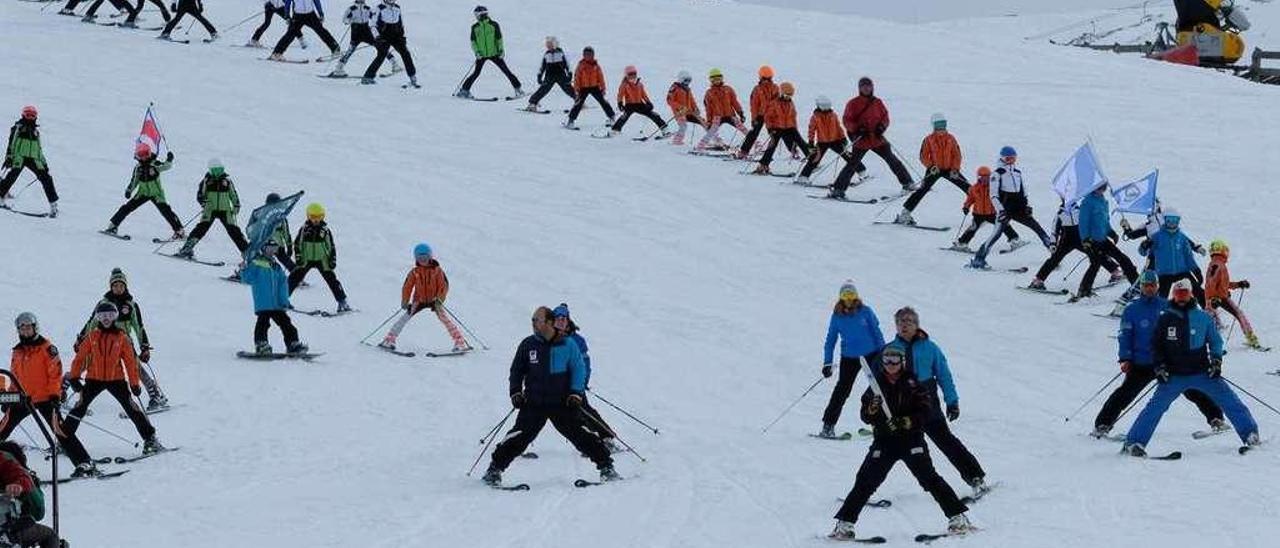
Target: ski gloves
<point x="517" y="400"/>
<point x="953" y="412"/>
<point x="1215" y="368"/>
<point x="826" y="370"/>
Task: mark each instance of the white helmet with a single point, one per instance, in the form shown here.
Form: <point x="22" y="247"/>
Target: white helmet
<point x="684" y="77"/>
<point x="823" y="102"/>
<point x="555" y="42"/>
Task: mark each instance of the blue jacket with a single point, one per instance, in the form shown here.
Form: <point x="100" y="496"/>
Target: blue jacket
<point x="859" y="333"/>
<point x="1172" y="251"/>
<point x="1185" y="340"/>
<point x="547" y="371"/>
<point x="577" y="338"/>
<point x="269" y="283"/>
<point x="1095" y="221"/>
<point x="930" y="366"/>
<point x="1137" y="327"/>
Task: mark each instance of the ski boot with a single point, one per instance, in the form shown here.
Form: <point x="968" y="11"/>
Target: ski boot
<point x="612" y="120"/>
<point x="1134" y="450"/>
<point x="367" y="80"/>
<point x="53" y="210"/>
<point x="739" y="155"/>
<point x="518" y="93"/>
<point x="65" y="11"/>
<point x="612" y="445"/>
<point x="151" y="445"/>
<point x="910" y="187"/>
<point x="213" y="37"/>
<point x="388" y="342"/>
<point x="1219" y="425"/>
<point x="111" y="229"/>
<point x="272" y="57"/>
<point x="165" y="36"/>
<point x="464" y="347"/>
<point x="678" y="140"/>
<point x="262" y="348"/>
<point x="343" y="307"/>
<point x="157" y="402"/>
<point x="296" y="347"/>
<point x="88" y="18"/>
<point x="339" y="71"/>
<point x="666" y="132"/>
<point x="253" y="44"/>
<point x="463" y="94"/>
<point x="570" y="125"/>
<point x="904" y="218"/>
<point x="395" y="66"/>
<point x="609" y="474"/>
<point x="179" y="234"/>
<point x="86" y="470"/>
<point x="1251" y="341"/>
<point x="532" y="107"/>
<point x="188" y="250"/>
<point x="1253" y="440"/>
<point x="828" y="431"/>
<point x="979" y="486"/>
<point x="127" y="25"/>
<point x="979" y="263"/>
<point x="1014" y="244"/>
<point x="859" y="178"/>
<point x="959" y="525"/>
<point x="1117" y="276"/>
<point x="836" y="194"/>
<point x="760" y="169"/>
<point x="492" y="477"/>
<point x="1081" y="296"/>
<point x="1100" y="431"/>
<point x="957" y="246"/>
<point x="1036" y="284"/>
<point x="413" y="81"/>
<point x="843" y="531"/>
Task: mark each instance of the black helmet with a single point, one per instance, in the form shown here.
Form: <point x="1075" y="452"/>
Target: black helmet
<point x="481" y="11"/>
<point x="273" y="198"/>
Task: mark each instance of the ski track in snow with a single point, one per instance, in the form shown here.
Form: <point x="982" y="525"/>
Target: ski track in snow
<point x="704" y="294"/>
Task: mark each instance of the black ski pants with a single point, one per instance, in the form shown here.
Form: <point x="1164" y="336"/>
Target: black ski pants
<point x="849" y="367"/>
<point x="118" y="390"/>
<point x="757" y="125"/>
<point x="164" y="12"/>
<point x="643" y="109"/>
<point x="300" y="272"/>
<point x="1100" y="254"/>
<point x="268" y="11"/>
<point x="311" y="21"/>
<point x="926" y="184"/>
<point x="119" y="4"/>
<point x="1022" y="217"/>
<point x="582" y="98"/>
<point x="946" y="441"/>
<point x="34" y="534"/>
<point x="815" y="156"/>
<point x="42" y="175"/>
<point x="281" y="318"/>
<point x="545" y="87"/>
<point x="855" y="165"/>
<point x="1068" y="240"/>
<point x="185" y="9"/>
<point x="791" y="136"/>
<point x="883" y="454"/>
<point x="979" y="220"/>
<point x="48" y="409"/>
<point x="137" y="201"/>
<point x="360" y="34"/>
<point x="566" y="420"/>
<point x="228" y="223"/>
<point x="502" y="65"/>
<point x="1167" y="281"/>
<point x="384" y="46"/>
<point x="1138" y="377"/>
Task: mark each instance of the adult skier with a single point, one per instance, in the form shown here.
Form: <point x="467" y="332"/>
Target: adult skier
<point x="1095" y="240"/>
<point x="270" y="301"/>
<point x="762" y="97"/>
<point x="978" y="201"/>
<point x="722" y="108"/>
<point x="825" y="134"/>
<point x="1009" y="197"/>
<point x="1136" y="356"/>
<point x="780" y="121"/>
<point x="566" y="327"/>
<point x="146" y="182"/>
<point x="896" y="406"/>
<point x="486" y="43"/>
<point x="425" y="288"/>
<point x="1066" y="238"/>
<point x="1173" y="253"/>
<point x="194" y="8"/>
<point x="24" y="152"/>
<point x="105" y="362"/>
<point x="38" y="367"/>
<point x="684" y="108"/>
<point x="588" y="81"/>
<point x="360" y="19"/>
<point x="219" y="201"/>
<point x="314" y="248"/>
<point x="633" y="99"/>
<point x="554" y="71"/>
<point x="270" y="9"/>
<point x="20" y="484"/>
<point x="547" y="382"/>
<point x="391" y="35"/>
<point x="858" y="329"/>
<point x="304" y="13"/>
<point x="129" y="320"/>
<point x="1218" y="292"/>
<point x="1188" y="355"/>
<point x="940" y="155"/>
<point x="865" y="120"/>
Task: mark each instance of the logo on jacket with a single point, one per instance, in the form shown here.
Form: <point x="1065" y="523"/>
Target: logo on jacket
<point x="533" y="356"/>
<point x="1171" y="334"/>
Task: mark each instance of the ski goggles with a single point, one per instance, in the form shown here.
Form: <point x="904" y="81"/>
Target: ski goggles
<point x="1009" y="160"/>
<point x="106" y="317"/>
<point x="892" y="359"/>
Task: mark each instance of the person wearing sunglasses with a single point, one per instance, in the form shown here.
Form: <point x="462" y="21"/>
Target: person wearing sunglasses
<point x="858" y="330"/>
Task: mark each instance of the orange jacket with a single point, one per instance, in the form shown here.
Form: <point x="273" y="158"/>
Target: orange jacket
<point x="940" y="150"/>
<point x="1217" y="280"/>
<point x="632" y="93"/>
<point x="763" y="94"/>
<point x="721" y="102"/>
<point x="38" y="368"/>
<point x="425" y="284"/>
<point x="588" y="75"/>
<point x="781" y="114"/>
<point x="681" y="101"/>
<point x="979" y="199"/>
<point x="824" y="127"/>
<point x="101" y="355"/>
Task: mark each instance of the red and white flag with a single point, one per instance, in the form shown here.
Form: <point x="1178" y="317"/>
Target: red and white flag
<point x="150" y="133"/>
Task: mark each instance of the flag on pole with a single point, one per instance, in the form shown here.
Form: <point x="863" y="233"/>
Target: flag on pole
<point x="1080" y="175"/>
<point x="1138" y="196"/>
<point x="150" y="133"/>
<point x="264" y="220"/>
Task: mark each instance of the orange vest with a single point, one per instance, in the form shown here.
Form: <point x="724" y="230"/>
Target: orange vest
<point x="106" y="355"/>
<point x="39" y="370"/>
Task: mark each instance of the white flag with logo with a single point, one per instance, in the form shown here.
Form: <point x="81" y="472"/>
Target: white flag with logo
<point x="1138" y="196"/>
<point x="1079" y="176"/>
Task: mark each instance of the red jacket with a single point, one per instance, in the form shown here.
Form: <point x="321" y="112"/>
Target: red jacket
<point x="721" y="102"/>
<point x="588" y="75"/>
<point x="12" y="473"/>
<point x="866" y="116"/>
<point x="824" y="127"/>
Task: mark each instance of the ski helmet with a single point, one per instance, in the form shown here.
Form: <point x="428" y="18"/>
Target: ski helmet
<point x="787" y="89"/>
<point x="822" y="102"/>
<point x="422" y="250"/>
<point x="117" y="275"/>
<point x="1172" y="219"/>
<point x="866" y="81"/>
<point x="588" y="51"/>
<point x="106" y="312"/>
<point x="29" y="112"/>
<point x="315" y="211"/>
<point x="1219" y="247"/>
<point x="984" y="171"/>
<point x="215" y="167"/>
<point x="1181" y="290"/>
<point x="481" y="11"/>
<point x="765" y="71"/>
<point x="684" y="77"/>
<point x="561" y="311"/>
<point x="26" y="318"/>
<point x="1008" y="152"/>
<point x="847" y="289"/>
<point x="630" y="70"/>
<point x="938" y="120"/>
<point x="273" y="198"/>
<point x="715" y="73"/>
<point x="1148" y="277"/>
<point x="142" y="151"/>
<point x="555" y="42"/>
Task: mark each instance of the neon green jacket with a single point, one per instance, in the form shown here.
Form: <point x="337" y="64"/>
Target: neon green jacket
<point x="486" y="38"/>
<point x="146" y="179"/>
<point x="24" y="143"/>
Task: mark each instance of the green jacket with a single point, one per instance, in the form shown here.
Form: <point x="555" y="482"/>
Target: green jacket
<point x="486" y="38"/>
<point x="283" y="237"/>
<point x="129" y="320"/>
<point x="24" y="143"/>
<point x="218" y="195"/>
<point x="314" y="244"/>
<point x="146" y="179"/>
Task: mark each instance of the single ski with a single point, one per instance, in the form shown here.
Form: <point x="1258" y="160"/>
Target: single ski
<point x="400" y="353"/>
<point x="163" y="240"/>
<point x="1275" y="373"/>
<point x="516" y="487"/>
<point x="512" y="97"/>
<point x="410" y="85"/>
<point x="481" y="99"/>
<point x="446" y="353"/>
<point x="975" y="497"/>
<point x="174" y="40"/>
<point x="27" y="213"/>
<point x="304" y="356"/>
<point x="116" y="235"/>
<point x="101" y="476"/>
<point x="325" y="313"/>
<point x="1019" y="270"/>
<point x="877" y="503"/>
<point x="846" y="200"/>
<point x="194" y="260"/>
<point x="529" y="455"/>
<point x="863" y="540"/>
<point x="927" y="538"/>
<point x="106" y="23"/>
<point x="287" y="60"/>
<point x="1245" y="449"/>
<point x="921" y="227"/>
<point x="1107" y="316"/>
<point x="534" y="111"/>
<point x="1202" y="434"/>
<point x="1060" y="292"/>
<point x="862" y="433"/>
<point x="1176" y="455"/>
<point x="136" y="458"/>
<point x="155" y="411"/>
<point x="964" y="250"/>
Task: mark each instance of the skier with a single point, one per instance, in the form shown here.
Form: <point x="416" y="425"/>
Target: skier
<point x="21" y="485"/>
<point x="1188" y="355"/>
<point x="219" y="201"/>
<point x="1172" y="252"/>
<point x="929" y="364"/>
<point x="425" y="288"/>
<point x="1095" y="240"/>
<point x="1009" y="197"/>
<point x="130" y="321"/>
<point x="1066" y="238"/>
<point x="547" y="382"/>
<point x="858" y="329"/>
<point x="131" y="21"/>
<point x="91" y="14"/>
<point x="684" y="108"/>
<point x="1136" y="357"/>
<point x="270" y="301"/>
<point x="486" y="43"/>
<point x="194" y="8"/>
<point x="391" y="35"/>
<point x="146" y="181"/>
<point x="895" y="406"/>
<point x="940" y="155"/>
<point x="359" y="17"/>
<point x="978" y="200"/>
<point x="38" y="367"/>
<point x="780" y="120"/>
<point x="314" y="248"/>
<point x="865" y="120"/>
<point x="633" y="99"/>
<point x="554" y="71"/>
<point x="567" y="328"/>
<point x="1218" y="292"/>
<point x="24" y="152"/>
<point x="270" y="8"/>
<point x="106" y="362"/>
<point x="588" y="81"/>
<point x="283" y="238"/>
<point x="825" y="134"/>
<point x="722" y="108"/>
<point x="304" y="13"/>
<point x="762" y="97"/>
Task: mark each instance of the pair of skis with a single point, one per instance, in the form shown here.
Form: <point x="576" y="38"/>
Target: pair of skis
<point x="408" y="354"/>
<point x="27" y="213"/>
<point x="579" y="483"/>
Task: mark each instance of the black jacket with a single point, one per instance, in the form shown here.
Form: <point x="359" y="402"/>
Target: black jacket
<point x="905" y="398"/>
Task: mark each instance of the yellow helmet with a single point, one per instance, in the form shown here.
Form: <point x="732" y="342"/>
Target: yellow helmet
<point x="1219" y="247"/>
<point x="315" y="211"/>
<point x="715" y="73"/>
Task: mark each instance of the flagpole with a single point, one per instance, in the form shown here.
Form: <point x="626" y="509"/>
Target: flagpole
<point x="151" y="108"/>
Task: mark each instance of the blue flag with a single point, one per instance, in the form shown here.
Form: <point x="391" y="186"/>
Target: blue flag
<point x="264" y="220"/>
<point x="1080" y="175"/>
<point x="1138" y="196"/>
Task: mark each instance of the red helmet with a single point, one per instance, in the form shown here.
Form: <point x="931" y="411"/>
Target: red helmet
<point x="141" y="151"/>
<point x="29" y="112"/>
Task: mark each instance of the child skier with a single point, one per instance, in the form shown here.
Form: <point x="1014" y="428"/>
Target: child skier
<point x="684" y="108"/>
<point x="359" y="17"/>
<point x="270" y="301"/>
<point x="940" y="155"/>
<point x="129" y="319"/>
<point x="219" y="201"/>
<point x="425" y="288"/>
<point x="1009" y="197"/>
<point x="825" y="135"/>
<point x="722" y="108"/>
<point x="314" y="248"/>
<point x="761" y="100"/>
<point x="780" y="121"/>
<point x="633" y="99"/>
<point x="270" y="8"/>
<point x="595" y="423"/>
<point x="554" y="71"/>
<point x="1173" y="255"/>
<point x="1217" y="291"/>
<point x="390" y="35"/>
<point x="24" y="152"/>
<point x="978" y="201"/>
<point x="194" y="8"/>
<point x="486" y="43"/>
<point x="146" y="181"/>
<point x="858" y="329"/>
<point x="304" y="13"/>
<point x="588" y="81"/>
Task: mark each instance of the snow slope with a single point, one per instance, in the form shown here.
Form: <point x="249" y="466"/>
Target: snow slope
<point x="704" y="294"/>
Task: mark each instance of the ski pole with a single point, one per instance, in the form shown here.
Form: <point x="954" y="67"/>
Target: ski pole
<point x="101" y="429"/>
<point x="1140" y="397"/>
<point x="659" y="128"/>
<point x="623" y="411"/>
<point x="793" y="404"/>
<point x="1093" y="397"/>
<point x="1250" y="394"/>
<point x="184" y="226"/>
<point x="24" y="188"/>
<point x="380" y="326"/>
<point x="464" y="326"/>
<point x="242" y="21"/>
<point x="960" y="229"/>
<point x="1231" y="330"/>
<point x="495" y="428"/>
<point x="624" y="443"/>
<point x="486" y="446"/>
<point x="1073" y="269"/>
<point x="467" y="72"/>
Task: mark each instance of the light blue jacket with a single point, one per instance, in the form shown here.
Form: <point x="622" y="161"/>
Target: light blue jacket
<point x="1172" y="251"/>
<point x="269" y="283"/>
<point x="929" y="364"/>
<point x="1095" y="221"/>
<point x="859" y="333"/>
